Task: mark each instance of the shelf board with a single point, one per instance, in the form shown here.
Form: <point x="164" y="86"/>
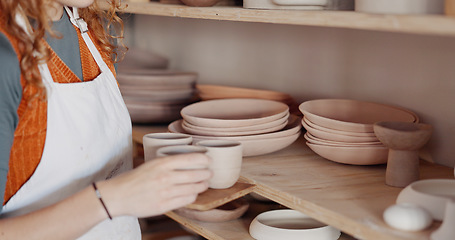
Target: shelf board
<point x="348" y="197"/>
<point x="415" y="24"/>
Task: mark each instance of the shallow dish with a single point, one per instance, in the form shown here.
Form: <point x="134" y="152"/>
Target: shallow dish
<point x="137" y="58"/>
<point x="154" y="77"/>
<point x="430" y="194"/>
<point x="339" y="132"/>
<point x="153" y="113"/>
<point x="352" y="115"/>
<point x="310" y="138"/>
<point x="363" y="155"/>
<point x="157" y="95"/>
<point x="236" y="112"/>
<point x="337" y="137"/>
<point x="290" y="225"/>
<point x="208" y="92"/>
<point x="227" y="212"/>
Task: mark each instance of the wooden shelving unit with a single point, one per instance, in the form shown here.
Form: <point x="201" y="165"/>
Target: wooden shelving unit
<point x="350" y="198"/>
<point x="415" y="24"/>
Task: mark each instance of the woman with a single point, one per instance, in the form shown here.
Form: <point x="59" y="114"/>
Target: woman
<point x="66" y="133"/>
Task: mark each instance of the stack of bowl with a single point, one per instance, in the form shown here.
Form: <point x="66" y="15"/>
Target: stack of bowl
<point x="262" y="126"/>
<point x="152" y="93"/>
<point x="341" y="130"/>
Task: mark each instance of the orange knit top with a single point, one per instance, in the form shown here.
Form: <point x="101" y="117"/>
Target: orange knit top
<point x="30" y="134"/>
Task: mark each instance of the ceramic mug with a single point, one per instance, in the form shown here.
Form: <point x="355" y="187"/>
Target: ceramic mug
<point x="153" y="141"/>
<point x="226" y="162"/>
<point x="182" y="149"/>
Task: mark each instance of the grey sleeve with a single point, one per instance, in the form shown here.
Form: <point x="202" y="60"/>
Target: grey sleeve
<point x="10" y="97"/>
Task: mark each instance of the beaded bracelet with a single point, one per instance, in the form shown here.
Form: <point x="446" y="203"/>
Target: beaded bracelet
<point x="98" y="194"/>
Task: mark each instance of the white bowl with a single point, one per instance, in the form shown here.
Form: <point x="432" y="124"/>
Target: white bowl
<point x="235" y="112"/>
<point x="352" y="115"/>
<point x="400" y="6"/>
<point x="357" y="155"/>
<point x="290" y="225"/>
<point x="430" y="194"/>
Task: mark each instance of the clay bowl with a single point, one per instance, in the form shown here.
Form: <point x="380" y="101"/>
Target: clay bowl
<point x="339" y="132"/>
<point x="227" y="212"/>
<point x="354" y="155"/>
<point x="338" y="137"/>
<point x="232" y="132"/>
<point x="255" y="127"/>
<point x="155" y="77"/>
<point x="403" y="135"/>
<point x="157" y="95"/>
<point x="290" y="225"/>
<point x="200" y="3"/>
<point x="312" y="139"/>
<point x="254" y="145"/>
<point x="154" y="113"/>
<point x="352" y="115"/>
<point x="430" y="194"/>
<point x="236" y="112"/>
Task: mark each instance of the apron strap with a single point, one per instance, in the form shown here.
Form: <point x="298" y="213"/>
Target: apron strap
<point x="82" y="25"/>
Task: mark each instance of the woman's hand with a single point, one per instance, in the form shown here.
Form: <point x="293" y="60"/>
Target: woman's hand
<point x="156" y="186"/>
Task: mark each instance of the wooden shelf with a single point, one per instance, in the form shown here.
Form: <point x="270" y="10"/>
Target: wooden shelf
<point x="350" y="198"/>
<point x="415" y="24"/>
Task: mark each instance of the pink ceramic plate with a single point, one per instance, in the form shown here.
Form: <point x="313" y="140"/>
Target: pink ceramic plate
<point x="364" y="155"/>
<point x="236" y="112"/>
<point x="352" y="115"/>
<point x="337" y="137"/>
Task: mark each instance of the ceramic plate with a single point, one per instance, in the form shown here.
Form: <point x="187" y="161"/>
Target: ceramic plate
<point x="363" y="155"/>
<point x="337" y="137"/>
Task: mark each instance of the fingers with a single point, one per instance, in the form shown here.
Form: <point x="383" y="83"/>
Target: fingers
<point x="188" y="176"/>
<point x="184" y="161"/>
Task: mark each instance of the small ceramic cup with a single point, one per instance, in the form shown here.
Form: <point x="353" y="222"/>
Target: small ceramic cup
<point x="153" y="141"/>
<point x="182" y="149"/>
<point x="226" y="162"/>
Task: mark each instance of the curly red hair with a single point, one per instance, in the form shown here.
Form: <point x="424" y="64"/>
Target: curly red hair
<point x="106" y="26"/>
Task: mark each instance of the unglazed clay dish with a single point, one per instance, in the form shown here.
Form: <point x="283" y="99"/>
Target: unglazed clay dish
<point x="209" y="92"/>
<point x="338" y="132"/>
<point x="236" y="112"/>
<point x="338" y="137"/>
<point x="353" y="115"/>
<point x="290" y="225"/>
<point x="227" y="212"/>
<point x="312" y="139"/>
<point x="137" y="58"/>
<point x="155" y="77"/>
<point x="154" y="113"/>
<point x="360" y="155"/>
<point x="430" y="194"/>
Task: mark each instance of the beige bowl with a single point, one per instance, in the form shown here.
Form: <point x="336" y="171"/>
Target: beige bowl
<point x="236" y="112"/>
<point x="430" y="194"/>
<point x="312" y="139"/>
<point x="352" y="115"/>
<point x="290" y="225"/>
<point x="337" y="137"/>
<point x="358" y="155"/>
<point x="227" y="212"/>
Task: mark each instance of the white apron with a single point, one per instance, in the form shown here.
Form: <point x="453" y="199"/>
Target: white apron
<point x="88" y="139"/>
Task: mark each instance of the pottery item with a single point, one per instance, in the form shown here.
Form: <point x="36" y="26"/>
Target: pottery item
<point x="407" y="217"/>
<point x="209" y="92"/>
<point x="290" y="225"/>
<point x="403" y="139"/>
<point x="182" y="149"/>
<point x="153" y="141"/>
<point x="200" y="3"/>
<point x="338" y="137"/>
<point x="236" y="112"/>
<point x="352" y="115"/>
<point x="157" y="95"/>
<point x="157" y="77"/>
<point x="255" y="145"/>
<point x="312" y="139"/>
<point x="154" y="113"/>
<point x="226" y="162"/>
<point x="193" y="129"/>
<point x="430" y="194"/>
<point x="446" y="231"/>
<point x="227" y="212"/>
<point x="355" y="155"/>
<point x="338" y="132"/>
<point x="400" y="6"/>
<point x="136" y="58"/>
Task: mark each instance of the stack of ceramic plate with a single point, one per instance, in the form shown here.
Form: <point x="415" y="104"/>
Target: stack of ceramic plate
<point x="156" y="96"/>
<point x="262" y="126"/>
<point x="300" y="4"/>
<point x="341" y="130"/>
